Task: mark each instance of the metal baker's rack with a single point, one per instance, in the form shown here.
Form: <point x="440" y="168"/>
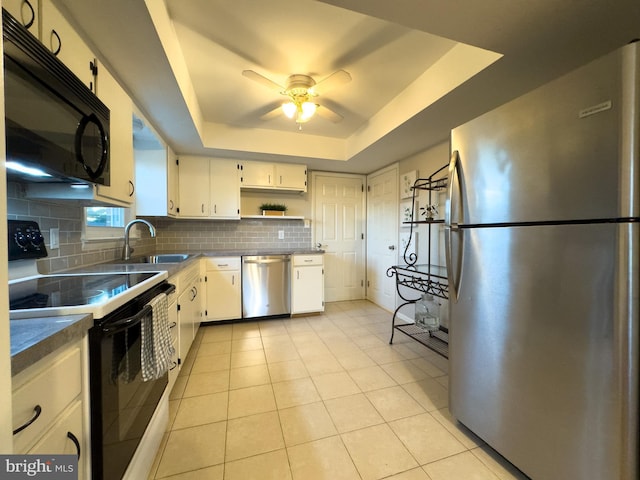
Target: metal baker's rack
<point x="422" y="278"/>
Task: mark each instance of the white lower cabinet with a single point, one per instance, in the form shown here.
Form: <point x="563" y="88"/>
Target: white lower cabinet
<point x="49" y="400"/>
<point x="223" y="286"/>
<point x="307" y="284"/>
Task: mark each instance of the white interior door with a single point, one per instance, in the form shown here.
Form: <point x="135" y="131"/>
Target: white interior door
<point x="382" y="235"/>
<point x="338" y="218"/>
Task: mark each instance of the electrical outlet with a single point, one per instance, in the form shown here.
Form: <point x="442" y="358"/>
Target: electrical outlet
<point x="280" y="234"/>
<point x="54" y="238"/>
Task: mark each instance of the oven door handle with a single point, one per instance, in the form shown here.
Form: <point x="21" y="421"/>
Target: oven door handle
<point x="114" y="327"/>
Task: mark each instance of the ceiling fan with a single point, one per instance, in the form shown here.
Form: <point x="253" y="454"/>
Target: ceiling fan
<point x="302" y="91"/>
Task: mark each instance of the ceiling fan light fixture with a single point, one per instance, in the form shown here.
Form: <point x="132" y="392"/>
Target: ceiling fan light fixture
<point x="289" y="109"/>
<point x="307" y="110"/>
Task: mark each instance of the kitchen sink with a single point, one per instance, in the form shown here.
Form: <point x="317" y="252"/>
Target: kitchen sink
<point x="159" y="258"/>
<point x="166" y="258"/>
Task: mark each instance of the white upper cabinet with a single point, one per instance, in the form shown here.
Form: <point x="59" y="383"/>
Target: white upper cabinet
<point x="224" y="185"/>
<point x="290" y="176"/>
<point x="156" y="173"/>
<point x="120" y="106"/>
<point x="57" y="34"/>
<point x="172" y="183"/>
<point x="273" y="176"/>
<point x="258" y="174"/>
<point x="193" y="185"/>
<point x="65" y="43"/>
<point x="208" y="188"/>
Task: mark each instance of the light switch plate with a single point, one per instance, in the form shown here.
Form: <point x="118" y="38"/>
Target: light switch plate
<point x="280" y="234"/>
<point x="54" y="238"/>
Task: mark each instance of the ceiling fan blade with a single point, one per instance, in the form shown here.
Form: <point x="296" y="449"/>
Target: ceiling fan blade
<point x="272" y="113"/>
<point x="261" y="79"/>
<point x="328" y="114"/>
<point x="337" y="78"/>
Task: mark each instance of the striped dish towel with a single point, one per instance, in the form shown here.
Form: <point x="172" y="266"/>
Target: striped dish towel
<point x="156" y="340"/>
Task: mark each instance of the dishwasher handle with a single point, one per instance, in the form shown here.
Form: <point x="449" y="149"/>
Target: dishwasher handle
<point x="266" y="260"/>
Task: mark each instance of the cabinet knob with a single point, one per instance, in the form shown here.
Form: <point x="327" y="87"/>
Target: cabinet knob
<point x="392" y="247"/>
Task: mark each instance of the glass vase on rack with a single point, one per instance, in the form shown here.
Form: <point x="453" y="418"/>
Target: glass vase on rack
<point x="427" y="315"/>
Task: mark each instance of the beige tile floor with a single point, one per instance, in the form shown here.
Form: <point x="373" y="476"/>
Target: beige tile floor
<point x="323" y="397"/>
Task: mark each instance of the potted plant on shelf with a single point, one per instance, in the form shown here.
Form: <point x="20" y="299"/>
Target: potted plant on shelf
<point x="273" y="209"/>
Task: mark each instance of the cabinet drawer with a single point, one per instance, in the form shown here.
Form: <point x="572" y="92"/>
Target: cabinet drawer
<point x="188" y="276"/>
<point x="223" y="263"/>
<point x="300" y="260"/>
<point x="52" y="388"/>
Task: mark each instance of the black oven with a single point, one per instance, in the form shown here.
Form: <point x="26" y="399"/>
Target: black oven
<point x="54" y="123"/>
<point x="122" y="403"/>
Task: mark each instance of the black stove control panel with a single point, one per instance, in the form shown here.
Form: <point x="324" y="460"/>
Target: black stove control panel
<point x="25" y="240"/>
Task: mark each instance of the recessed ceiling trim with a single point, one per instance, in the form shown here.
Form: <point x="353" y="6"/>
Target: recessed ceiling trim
<point x="258" y="140"/>
<point x="455" y="67"/>
<point x="171" y="46"/>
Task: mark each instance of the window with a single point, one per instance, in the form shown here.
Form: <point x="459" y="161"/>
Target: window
<point x="103" y="223"/>
<point x="105" y="217"/>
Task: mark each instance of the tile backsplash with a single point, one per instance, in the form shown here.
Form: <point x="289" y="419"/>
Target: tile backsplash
<point x="67" y="216"/>
<point x="214" y="235"/>
<point x="172" y="235"/>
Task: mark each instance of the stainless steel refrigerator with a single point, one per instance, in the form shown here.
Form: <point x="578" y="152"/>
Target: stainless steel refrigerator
<point x="542" y="235"/>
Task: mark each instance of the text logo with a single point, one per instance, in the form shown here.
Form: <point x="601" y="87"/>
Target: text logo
<point x="50" y="467"/>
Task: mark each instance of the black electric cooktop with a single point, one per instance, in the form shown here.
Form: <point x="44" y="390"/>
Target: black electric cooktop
<point x="59" y="291"/>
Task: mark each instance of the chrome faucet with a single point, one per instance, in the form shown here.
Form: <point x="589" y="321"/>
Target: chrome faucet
<point x="127" y="250"/>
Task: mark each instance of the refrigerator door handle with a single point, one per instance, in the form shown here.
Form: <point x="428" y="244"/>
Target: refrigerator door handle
<point x="452" y="228"/>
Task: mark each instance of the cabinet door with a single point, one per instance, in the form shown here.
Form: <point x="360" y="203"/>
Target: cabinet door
<point x="193" y="186"/>
<point x="223" y="295"/>
<point x="121" y="141"/>
<point x="60" y="37"/>
<point x="26" y="12"/>
<point x="174" y="368"/>
<point x="62" y="437"/>
<point x="225" y="189"/>
<point x="185" y="324"/>
<point x="172" y="183"/>
<point x="307" y="289"/>
<point x="258" y="174"/>
<point x="188" y="317"/>
<point x="291" y="177"/>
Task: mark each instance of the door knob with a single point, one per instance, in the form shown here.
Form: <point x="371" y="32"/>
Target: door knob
<point x="392" y="247"/>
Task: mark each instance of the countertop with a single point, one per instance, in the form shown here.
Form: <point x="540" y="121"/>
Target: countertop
<point x="33" y="338"/>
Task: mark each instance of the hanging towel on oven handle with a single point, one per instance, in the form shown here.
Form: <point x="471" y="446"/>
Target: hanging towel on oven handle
<point x="156" y="349"/>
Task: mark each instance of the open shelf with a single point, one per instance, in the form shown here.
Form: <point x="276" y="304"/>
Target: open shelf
<point x="436" y="341"/>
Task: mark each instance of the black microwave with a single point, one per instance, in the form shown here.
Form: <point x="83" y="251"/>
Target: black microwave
<point x="57" y="129"/>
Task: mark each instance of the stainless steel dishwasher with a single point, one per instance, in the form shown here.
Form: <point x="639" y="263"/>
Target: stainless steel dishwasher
<point x="266" y="285"/>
